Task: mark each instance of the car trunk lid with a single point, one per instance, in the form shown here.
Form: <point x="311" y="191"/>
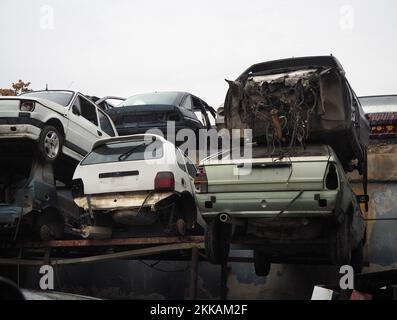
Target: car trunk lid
<point x="266" y="175"/>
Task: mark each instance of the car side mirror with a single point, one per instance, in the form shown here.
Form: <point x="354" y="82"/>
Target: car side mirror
<point x="363" y="199"/>
<point x="76" y="110"/>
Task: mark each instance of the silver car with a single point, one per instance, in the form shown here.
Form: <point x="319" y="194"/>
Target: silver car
<point x="293" y="206"/>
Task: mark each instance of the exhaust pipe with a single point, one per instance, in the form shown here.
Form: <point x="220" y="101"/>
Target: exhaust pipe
<point x="225" y="218"/>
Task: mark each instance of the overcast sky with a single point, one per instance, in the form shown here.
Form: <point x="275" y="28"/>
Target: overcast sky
<point x="103" y="47"/>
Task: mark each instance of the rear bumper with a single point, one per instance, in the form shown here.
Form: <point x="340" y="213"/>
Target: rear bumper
<point x="120" y="201"/>
<point x="20" y="128"/>
<point x="256" y="205"/>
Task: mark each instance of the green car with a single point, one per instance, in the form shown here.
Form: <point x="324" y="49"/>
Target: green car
<point x="292" y="207"/>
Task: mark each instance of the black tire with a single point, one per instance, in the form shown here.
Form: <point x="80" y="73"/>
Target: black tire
<point x="357" y="258"/>
<point x="50" y="144"/>
<point x="262" y="266"/>
<point x="49" y="225"/>
<point x="340" y="243"/>
<point x="217" y="241"/>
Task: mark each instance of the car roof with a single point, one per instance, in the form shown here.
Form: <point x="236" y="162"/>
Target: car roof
<point x="69" y="91"/>
<point x="292" y="64"/>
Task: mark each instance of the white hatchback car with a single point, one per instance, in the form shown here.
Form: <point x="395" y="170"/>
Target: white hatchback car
<point x="138" y="180"/>
<point x="58" y="121"/>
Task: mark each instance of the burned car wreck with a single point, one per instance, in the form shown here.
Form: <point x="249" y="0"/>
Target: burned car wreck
<point x="298" y="101"/>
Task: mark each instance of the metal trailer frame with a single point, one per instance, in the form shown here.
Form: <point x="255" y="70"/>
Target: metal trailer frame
<point x="146" y="248"/>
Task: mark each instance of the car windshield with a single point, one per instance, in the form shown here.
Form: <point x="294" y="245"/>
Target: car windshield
<point x="126" y="151"/>
<point x="61" y="98"/>
<point x="379" y="104"/>
<point x="156" y="98"/>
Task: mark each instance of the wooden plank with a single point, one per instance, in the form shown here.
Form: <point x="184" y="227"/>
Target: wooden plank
<point x="104" y="243"/>
<point x="107" y="257"/>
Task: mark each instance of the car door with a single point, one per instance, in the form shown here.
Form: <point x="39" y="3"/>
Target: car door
<point x="106" y="125"/>
<point x="83" y="129"/>
<point x="191" y="110"/>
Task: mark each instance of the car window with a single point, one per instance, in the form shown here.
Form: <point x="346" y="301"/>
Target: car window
<point x="87" y="110"/>
<point x="187" y="103"/>
<point x="180" y="160"/>
<point x="105" y="124"/>
<point x="156" y="98"/>
<point x="61" y="98"/>
<point x="125" y="151"/>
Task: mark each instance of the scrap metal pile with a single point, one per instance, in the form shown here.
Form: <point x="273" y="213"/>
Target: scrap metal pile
<point x="283" y="106"/>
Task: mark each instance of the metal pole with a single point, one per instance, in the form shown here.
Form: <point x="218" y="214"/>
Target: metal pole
<point x="194" y="273"/>
<point x="223" y="287"/>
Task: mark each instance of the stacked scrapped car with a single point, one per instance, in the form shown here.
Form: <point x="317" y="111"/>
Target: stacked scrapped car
<point x="137" y="181"/>
<point x="300" y="101"/>
<point x="293" y="203"/>
<point x="296" y="209"/>
<point x="143" y="112"/>
<point x="43" y="135"/>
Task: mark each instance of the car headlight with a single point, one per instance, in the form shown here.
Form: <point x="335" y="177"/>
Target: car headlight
<point x="27" y="106"/>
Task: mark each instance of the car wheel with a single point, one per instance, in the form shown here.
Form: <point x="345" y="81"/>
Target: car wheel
<point x="357" y="258"/>
<point x="262" y="266"/>
<point x="340" y="244"/>
<point x="217" y="241"/>
<point x="50" y="144"/>
<point x="49" y="225"/>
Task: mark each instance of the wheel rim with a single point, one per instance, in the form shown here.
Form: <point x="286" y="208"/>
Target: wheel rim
<point x="51" y="144"/>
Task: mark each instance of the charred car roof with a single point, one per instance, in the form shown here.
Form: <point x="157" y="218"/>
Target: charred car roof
<point x="292" y="64"/>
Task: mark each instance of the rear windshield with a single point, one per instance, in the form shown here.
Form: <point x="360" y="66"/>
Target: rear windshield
<point x="62" y="98"/>
<point x="156" y="98"/>
<point x="125" y="151"/>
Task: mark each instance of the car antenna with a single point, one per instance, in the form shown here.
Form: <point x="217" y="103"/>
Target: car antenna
<point x="46" y="87"/>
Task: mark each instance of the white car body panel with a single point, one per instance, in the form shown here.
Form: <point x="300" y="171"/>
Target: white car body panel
<point x="148" y="170"/>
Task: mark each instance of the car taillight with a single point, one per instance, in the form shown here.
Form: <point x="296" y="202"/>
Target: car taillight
<point x="27" y="106"/>
<point x="164" y="181"/>
<point x="201" y="181"/>
<point x="77" y="188"/>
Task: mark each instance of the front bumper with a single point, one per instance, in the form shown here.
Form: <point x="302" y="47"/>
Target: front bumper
<point x="256" y="205"/>
<point x="20" y="128"/>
